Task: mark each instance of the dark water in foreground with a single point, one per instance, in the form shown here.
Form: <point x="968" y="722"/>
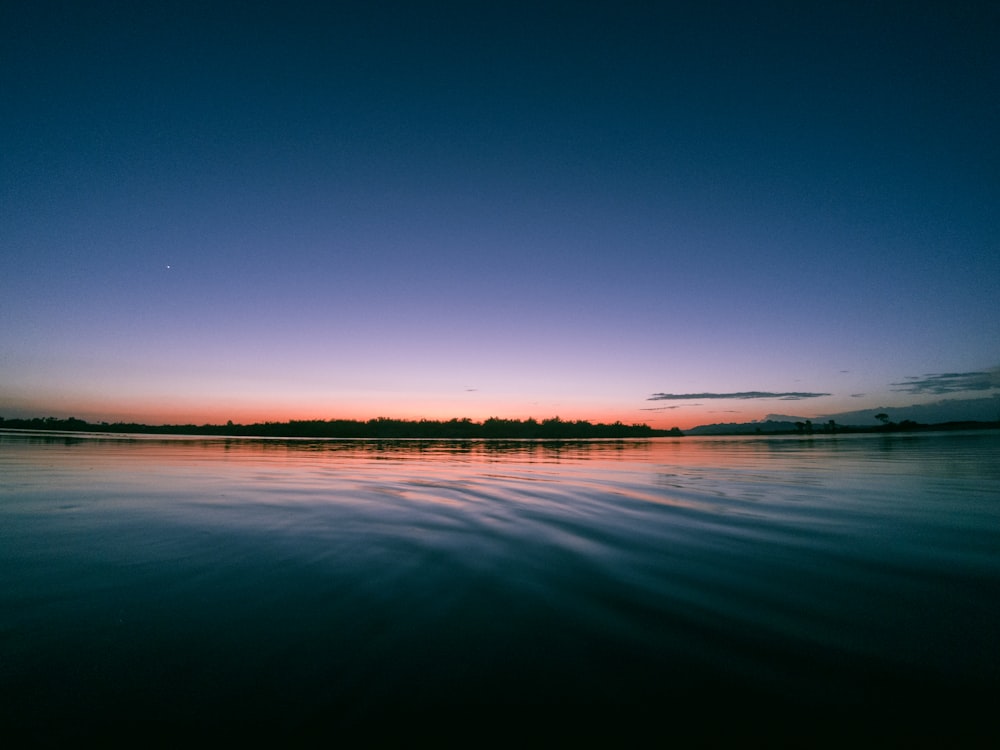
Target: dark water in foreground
<point x="801" y="588"/>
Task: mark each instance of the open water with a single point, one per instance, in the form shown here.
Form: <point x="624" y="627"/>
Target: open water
<point x="772" y="589"/>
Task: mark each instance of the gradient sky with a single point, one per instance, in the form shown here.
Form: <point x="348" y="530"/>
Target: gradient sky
<point x="257" y="211"/>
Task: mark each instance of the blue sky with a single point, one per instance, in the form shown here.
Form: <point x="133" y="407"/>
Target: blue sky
<point x="269" y="211"/>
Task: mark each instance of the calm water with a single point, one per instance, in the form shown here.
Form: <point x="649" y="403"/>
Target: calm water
<point x="310" y="586"/>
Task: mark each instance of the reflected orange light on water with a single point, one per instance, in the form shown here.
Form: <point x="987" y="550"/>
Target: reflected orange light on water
<point x="131" y="452"/>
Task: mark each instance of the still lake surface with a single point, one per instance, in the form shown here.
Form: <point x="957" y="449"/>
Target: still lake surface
<point x="305" y="585"/>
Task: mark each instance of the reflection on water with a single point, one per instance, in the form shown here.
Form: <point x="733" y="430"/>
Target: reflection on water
<point x="303" y="585"/>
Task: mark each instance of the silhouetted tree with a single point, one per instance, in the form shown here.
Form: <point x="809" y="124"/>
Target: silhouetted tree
<point x="378" y="428"/>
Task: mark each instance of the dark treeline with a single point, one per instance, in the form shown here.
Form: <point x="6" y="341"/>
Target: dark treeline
<point x="381" y="427"/>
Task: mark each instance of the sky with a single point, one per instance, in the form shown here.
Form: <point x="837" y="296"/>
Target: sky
<point x="670" y="213"/>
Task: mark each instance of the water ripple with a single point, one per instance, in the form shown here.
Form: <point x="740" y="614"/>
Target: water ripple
<point x="351" y="576"/>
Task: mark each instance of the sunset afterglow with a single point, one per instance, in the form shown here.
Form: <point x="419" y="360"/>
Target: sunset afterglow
<point x="416" y="211"/>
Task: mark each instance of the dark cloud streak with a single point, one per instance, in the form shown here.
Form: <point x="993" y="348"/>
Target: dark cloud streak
<point x="791" y="396"/>
<point x="950" y="382"/>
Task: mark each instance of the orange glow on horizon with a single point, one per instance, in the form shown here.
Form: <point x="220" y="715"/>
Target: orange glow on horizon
<point x="250" y="414"/>
<point x="244" y="409"/>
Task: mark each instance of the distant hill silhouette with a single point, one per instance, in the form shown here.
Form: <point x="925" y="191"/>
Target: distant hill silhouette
<point x="743" y="428"/>
<point x="831" y="427"/>
<point x="945" y="410"/>
<point x="944" y="414"/>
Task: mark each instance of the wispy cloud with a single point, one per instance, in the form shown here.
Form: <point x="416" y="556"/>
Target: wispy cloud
<point x="950" y="382"/>
<point x="661" y="408"/>
<point x="791" y="396"/>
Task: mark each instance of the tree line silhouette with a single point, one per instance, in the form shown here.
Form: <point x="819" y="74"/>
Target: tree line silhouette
<point x="379" y="427"/>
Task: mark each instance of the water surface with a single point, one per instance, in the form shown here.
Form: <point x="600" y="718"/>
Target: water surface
<point x="306" y="586"/>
